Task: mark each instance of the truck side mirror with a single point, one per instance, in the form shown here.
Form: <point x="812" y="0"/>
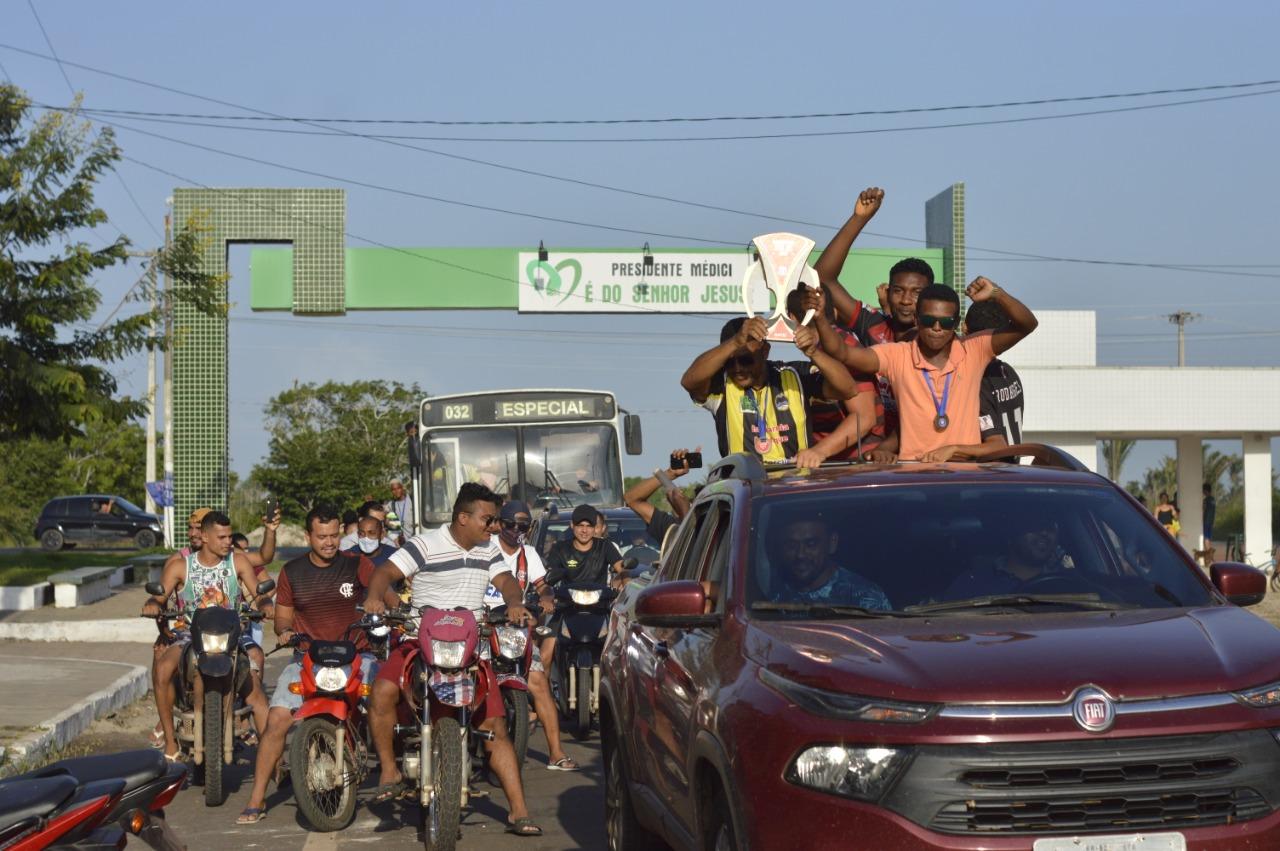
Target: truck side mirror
<point x="631" y="435"/>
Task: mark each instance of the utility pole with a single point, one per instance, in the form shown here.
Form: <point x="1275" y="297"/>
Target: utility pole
<point x="168" y="391"/>
<point x="1181" y="318"/>
<point x="151" y="389"/>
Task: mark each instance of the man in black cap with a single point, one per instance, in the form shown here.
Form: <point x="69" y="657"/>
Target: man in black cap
<point x="585" y="558"/>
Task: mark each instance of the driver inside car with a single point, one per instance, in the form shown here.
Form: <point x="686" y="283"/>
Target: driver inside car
<point x="1031" y="553"/>
<point x="804" y="547"/>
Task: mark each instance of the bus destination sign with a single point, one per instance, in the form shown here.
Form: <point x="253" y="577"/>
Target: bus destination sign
<point x="518" y="408"/>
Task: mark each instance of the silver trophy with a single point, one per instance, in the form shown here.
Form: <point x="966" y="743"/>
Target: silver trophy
<point x="783" y="265"/>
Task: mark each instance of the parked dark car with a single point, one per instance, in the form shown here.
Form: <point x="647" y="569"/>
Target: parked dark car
<point x="938" y="656"/>
<point x="95" y="518"/>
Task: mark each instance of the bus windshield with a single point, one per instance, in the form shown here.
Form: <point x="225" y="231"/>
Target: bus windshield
<point x="568" y="465"/>
<point x="563" y="464"/>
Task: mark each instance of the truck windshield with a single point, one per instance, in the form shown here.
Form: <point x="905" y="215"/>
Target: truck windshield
<point x="964" y="548"/>
<point x="568" y="465"/>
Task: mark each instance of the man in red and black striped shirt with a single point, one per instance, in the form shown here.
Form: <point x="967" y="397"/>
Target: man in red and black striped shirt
<point x="316" y="596"/>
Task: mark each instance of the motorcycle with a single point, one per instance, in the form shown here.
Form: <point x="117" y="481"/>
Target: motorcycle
<point x="583" y="610"/>
<point x="329" y="748"/>
<point x="512" y="647"/>
<point x="212" y="678"/>
<point x="59" y="813"/>
<point x="149" y="784"/>
<point x="443" y="678"/>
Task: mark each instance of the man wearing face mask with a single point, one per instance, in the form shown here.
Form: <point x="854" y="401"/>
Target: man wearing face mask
<point x="370" y="542"/>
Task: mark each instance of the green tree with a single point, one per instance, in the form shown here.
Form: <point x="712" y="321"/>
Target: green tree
<point x="1114" y="454"/>
<point x="54" y="369"/>
<point x="334" y="443"/>
<point x="108" y="458"/>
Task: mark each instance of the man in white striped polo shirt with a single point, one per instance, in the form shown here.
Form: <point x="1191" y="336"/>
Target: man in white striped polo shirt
<point x="450" y="568"/>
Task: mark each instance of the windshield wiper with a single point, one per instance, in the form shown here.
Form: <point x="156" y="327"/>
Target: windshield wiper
<point x="1088" y="602"/>
<point x="826" y="610"/>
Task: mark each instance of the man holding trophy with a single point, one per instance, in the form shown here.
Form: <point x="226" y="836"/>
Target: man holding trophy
<point x="761" y="406"/>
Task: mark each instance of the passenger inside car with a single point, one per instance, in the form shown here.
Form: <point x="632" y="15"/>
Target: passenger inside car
<point x="804" y="548"/>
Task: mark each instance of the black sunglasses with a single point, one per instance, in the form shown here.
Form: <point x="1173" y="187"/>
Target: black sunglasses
<point x="946" y="323"/>
<point x="522" y="525"/>
<point x="742" y="361"/>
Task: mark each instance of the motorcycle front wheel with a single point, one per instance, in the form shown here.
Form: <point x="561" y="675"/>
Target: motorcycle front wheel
<point x="214" y="793"/>
<point x="325" y="791"/>
<point x="444" y="814"/>
<point x="516" y="704"/>
<point x="583" y="728"/>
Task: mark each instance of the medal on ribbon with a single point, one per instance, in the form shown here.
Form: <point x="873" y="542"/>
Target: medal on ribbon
<point x="941" y="421"/>
<point x="763" y="442"/>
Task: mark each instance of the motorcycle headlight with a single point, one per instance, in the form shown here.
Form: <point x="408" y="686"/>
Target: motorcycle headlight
<point x="853" y="772"/>
<point x="585" y="597"/>
<point x="213" y="642"/>
<point x="512" y="642"/>
<point x="332" y="679"/>
<point x="447" y="654"/>
<point x="380" y="631"/>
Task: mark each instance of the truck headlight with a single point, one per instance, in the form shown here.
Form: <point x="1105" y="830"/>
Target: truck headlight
<point x="1260" y="697"/>
<point x="512" y="642"/>
<point x="585" y="597"/>
<point x="854" y="772"/>
<point x="331" y="679"/>
<point x="212" y="642"/>
<point x="447" y="654"/>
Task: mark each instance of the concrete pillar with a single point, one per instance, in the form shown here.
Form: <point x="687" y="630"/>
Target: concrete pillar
<point x="1084" y="446"/>
<point x="1257" y="497"/>
<point x="1190" y="495"/>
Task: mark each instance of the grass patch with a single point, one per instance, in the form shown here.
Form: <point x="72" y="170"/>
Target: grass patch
<point x="28" y="568"/>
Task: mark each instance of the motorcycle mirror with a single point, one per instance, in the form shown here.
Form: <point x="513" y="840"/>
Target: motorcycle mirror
<point x="155" y="589"/>
<point x="266" y="587"/>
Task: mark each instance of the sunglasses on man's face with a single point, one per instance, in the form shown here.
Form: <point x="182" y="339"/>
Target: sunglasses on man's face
<point x="522" y="525"/>
<point x="946" y="323"/>
<point x="485" y="519"/>
<point x="743" y="361"/>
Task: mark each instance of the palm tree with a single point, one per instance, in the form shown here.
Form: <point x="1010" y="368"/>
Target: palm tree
<point x="1114" y="453"/>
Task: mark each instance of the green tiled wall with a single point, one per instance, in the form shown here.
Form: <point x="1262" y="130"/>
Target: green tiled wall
<point x="314" y="221"/>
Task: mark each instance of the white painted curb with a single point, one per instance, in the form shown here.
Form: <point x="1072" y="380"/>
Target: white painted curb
<point x="55" y="733"/>
<point x="120" y="629"/>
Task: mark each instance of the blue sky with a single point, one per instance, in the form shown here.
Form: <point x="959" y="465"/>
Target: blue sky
<point x="1186" y="185"/>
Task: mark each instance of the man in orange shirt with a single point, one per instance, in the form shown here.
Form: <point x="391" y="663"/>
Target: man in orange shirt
<point x="937" y="378"/>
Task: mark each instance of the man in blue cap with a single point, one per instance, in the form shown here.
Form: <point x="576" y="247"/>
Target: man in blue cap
<point x="526" y="565"/>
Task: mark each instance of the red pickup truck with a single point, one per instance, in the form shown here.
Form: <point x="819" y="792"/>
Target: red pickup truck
<point x="938" y="656"/>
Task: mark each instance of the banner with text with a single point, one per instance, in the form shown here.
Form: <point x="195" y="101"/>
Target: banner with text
<point x="618" y="282"/>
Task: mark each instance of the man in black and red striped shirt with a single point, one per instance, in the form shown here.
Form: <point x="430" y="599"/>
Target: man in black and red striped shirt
<point x="316" y="596"/>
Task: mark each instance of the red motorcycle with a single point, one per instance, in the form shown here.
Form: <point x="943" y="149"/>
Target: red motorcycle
<point x="443" y="679"/>
<point x="329" y="749"/>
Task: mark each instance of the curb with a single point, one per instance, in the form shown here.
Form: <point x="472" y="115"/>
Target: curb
<point x="121" y="629"/>
<point x="54" y="734"/>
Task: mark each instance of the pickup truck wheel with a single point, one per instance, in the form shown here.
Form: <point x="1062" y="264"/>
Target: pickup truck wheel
<point x="720" y="835"/>
<point x="145" y="539"/>
<point x="623" y="829"/>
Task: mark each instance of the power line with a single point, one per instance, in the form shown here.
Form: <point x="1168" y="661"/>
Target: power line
<point x="653" y="196"/>
<point x="67" y="79"/>
<point x="694" y="119"/>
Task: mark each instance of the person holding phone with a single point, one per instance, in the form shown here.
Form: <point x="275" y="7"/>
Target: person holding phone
<point x="658" y="521"/>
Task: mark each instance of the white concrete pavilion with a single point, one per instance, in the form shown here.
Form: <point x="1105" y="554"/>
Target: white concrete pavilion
<point x="1072" y="403"/>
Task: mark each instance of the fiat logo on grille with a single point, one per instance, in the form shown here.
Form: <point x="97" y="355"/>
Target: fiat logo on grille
<point x="1094" y="711"/>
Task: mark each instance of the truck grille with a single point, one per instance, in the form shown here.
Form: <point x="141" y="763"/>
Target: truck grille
<point x="1082" y="814"/>
<point x="1091" y="785"/>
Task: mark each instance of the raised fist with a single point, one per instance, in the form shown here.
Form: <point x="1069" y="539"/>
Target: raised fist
<point x="981" y="289"/>
<point x="868" y="202"/>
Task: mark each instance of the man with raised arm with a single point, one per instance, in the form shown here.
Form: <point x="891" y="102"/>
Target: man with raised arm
<point x="937" y="377"/>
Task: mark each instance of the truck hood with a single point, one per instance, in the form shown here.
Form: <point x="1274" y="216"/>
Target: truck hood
<point x="1025" y="657"/>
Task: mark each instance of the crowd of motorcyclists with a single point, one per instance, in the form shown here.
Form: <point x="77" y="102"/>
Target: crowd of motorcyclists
<point x="355" y="612"/>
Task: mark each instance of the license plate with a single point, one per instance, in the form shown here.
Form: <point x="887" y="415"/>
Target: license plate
<point x="1125" y="842"/>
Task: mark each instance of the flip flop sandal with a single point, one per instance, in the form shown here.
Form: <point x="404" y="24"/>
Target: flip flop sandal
<point x="389" y="792"/>
<point x="157" y="738"/>
<point x="251" y="815"/>
<point x="174" y="757"/>
<point x="524" y="827"/>
<point x="564" y="763"/>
